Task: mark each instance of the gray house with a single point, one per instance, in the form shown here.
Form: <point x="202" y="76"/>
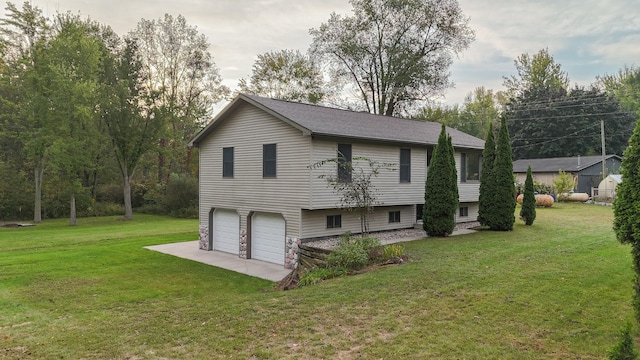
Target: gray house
<point x="259" y="197"/>
<point x="586" y="170"/>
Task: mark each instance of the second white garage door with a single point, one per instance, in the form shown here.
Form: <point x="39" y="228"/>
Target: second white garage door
<point x="268" y="237"/>
<point x="226" y="231"/>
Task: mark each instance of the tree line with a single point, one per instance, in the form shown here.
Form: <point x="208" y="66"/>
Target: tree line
<point x="84" y="109"/>
<point x="90" y="119"/>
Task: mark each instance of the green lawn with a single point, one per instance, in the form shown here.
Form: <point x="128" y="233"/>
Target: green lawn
<point x="559" y="289"/>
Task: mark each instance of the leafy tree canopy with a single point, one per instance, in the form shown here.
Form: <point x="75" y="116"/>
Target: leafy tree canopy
<point x="285" y="75"/>
<point x="481" y="107"/>
<point x="393" y="54"/>
<point x="536" y="73"/>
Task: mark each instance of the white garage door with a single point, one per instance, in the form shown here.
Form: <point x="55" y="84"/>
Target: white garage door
<point x="268" y="238"/>
<point x="226" y="231"/>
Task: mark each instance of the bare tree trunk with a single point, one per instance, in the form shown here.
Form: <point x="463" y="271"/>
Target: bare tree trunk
<point x="37" y="208"/>
<point x="72" y="218"/>
<point x="126" y="179"/>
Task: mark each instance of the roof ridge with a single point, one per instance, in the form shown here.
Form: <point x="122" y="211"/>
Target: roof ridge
<point x="363" y="112"/>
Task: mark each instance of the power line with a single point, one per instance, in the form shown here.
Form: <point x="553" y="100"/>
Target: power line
<point x="568" y="116"/>
<point x="574" y="137"/>
<point x="552" y="140"/>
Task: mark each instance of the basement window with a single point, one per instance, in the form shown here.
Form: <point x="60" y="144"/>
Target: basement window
<point x="334" y="221"/>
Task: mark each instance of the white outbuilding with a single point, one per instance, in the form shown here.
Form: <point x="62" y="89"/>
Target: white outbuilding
<point x="607" y="187"/>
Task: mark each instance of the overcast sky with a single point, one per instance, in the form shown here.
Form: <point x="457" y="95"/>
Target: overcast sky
<point x="587" y="37"/>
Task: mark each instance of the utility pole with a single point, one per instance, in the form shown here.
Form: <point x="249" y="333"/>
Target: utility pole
<point x="604" y="154"/>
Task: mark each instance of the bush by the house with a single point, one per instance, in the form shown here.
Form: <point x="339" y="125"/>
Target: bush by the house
<point x="386" y="253"/>
<point x="352" y="253"/>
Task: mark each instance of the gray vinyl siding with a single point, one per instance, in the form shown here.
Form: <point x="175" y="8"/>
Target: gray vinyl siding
<point x="297" y="189"/>
<point x="390" y="190"/>
<point x="315" y="221"/>
<point x="246" y="130"/>
<point x="473" y="212"/>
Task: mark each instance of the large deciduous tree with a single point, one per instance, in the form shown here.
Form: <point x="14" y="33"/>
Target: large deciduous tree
<point x="181" y="70"/>
<point x="24" y="35"/>
<point x="72" y="62"/>
<point x="393" y="53"/>
<point x="285" y="75"/>
<point x="625" y="86"/>
<point x="481" y="107"/>
<point x="536" y="73"/>
<point x="441" y="190"/>
<point x="128" y="113"/>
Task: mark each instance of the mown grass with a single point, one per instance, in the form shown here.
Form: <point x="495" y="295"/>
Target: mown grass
<point x="559" y="289"/>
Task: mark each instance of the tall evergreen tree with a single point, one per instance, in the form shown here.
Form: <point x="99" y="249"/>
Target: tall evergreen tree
<point x="503" y="202"/>
<point x="625" y="208"/>
<point x="528" y="211"/>
<point x="441" y="190"/>
<point x="487" y="183"/>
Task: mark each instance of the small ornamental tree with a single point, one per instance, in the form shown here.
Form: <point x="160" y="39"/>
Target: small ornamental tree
<point x="528" y="211"/>
<point x="563" y="183"/>
<point x="501" y="214"/>
<point x="441" y="190"/>
<point x="357" y="194"/>
<point x="487" y="182"/>
<point x="626" y="212"/>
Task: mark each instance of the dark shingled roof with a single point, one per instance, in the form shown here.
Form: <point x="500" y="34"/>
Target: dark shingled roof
<point x="566" y="164"/>
<point x="324" y="121"/>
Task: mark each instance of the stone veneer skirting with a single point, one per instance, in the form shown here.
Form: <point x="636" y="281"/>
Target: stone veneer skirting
<point x="291" y="257"/>
<point x="204" y="237"/>
<point x="243" y="244"/>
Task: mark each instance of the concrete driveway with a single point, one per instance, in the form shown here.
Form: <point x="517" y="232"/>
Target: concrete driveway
<point x="189" y="250"/>
<point x="262" y="269"/>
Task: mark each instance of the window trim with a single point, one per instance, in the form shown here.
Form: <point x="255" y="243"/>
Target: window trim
<point x="269" y="165"/>
<point x="463" y="211"/>
<point x="394" y="217"/>
<point x="228" y="164"/>
<point x="406" y="166"/>
<point x="332" y="223"/>
<point x="464" y="163"/>
<point x="344" y="156"/>
<point x="463" y="167"/>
